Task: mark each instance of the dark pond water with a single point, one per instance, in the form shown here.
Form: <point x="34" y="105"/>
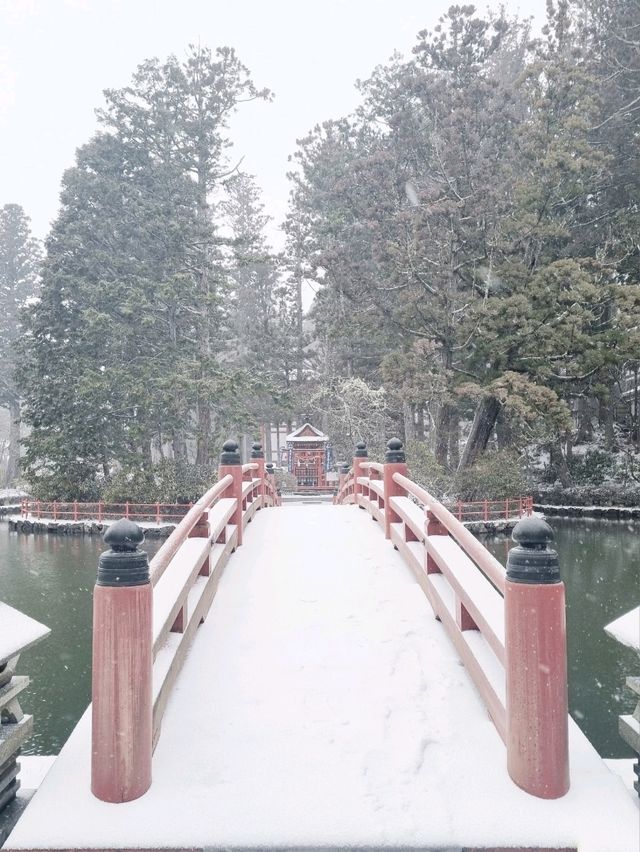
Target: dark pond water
<point x="51" y="578"/>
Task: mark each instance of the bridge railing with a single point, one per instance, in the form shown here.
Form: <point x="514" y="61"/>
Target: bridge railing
<point x="146" y="616"/>
<point x="507" y="626"/>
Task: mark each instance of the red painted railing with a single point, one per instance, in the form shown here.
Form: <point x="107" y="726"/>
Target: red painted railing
<point x="56" y="510"/>
<point x="517" y="656"/>
<point x="479" y="510"/>
<point x="492" y="510"/>
<point x="129" y="699"/>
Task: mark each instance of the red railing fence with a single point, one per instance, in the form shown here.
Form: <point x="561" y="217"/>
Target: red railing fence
<point x="57" y="510"/>
<point x="492" y="510"/>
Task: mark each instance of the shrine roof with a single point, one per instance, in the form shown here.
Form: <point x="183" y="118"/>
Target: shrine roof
<point x="306" y="433"/>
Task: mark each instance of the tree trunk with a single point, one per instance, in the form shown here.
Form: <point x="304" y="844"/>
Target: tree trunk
<point x="408" y="422"/>
<point x="504" y="432"/>
<point x="454" y="440"/>
<point x="13" y="463"/>
<point x="204" y="431"/>
<point x="481" y="429"/>
<point x="267" y="442"/>
<point x="179" y="444"/>
<point x="635" y="431"/>
<point x="559" y="464"/>
<point x="420" y="435"/>
<point x="585" y="427"/>
<point x="569" y="450"/>
<point x="442" y="435"/>
<point x="609" y="434"/>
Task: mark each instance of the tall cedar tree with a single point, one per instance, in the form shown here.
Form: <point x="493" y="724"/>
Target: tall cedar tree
<point x="127" y="337"/>
<point x="20" y="259"/>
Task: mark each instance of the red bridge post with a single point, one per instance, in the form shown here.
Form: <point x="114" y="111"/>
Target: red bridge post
<point x="230" y="464"/>
<point x="122" y="661"/>
<point x="257" y="456"/>
<point x="360" y="454"/>
<point x="394" y="462"/>
<point x="536" y="664"/>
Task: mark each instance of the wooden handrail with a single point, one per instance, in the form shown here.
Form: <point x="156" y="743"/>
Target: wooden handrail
<point x="518" y="660"/>
<point x="487" y="563"/>
<point x="367" y="465"/>
<point x="159" y="563"/>
<point x="189" y="564"/>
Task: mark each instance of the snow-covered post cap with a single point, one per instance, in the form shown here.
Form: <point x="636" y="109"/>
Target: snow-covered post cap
<point x="123" y="564"/>
<point x="230" y="453"/>
<point x="533" y="561"/>
<point x="361" y="450"/>
<point x="345" y="468"/>
<point x="395" y="462"/>
<point x="395" y="452"/>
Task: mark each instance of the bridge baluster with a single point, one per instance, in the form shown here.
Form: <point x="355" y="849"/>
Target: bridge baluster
<point x="360" y="454"/>
<point x="271" y="480"/>
<point x="536" y="664"/>
<point x="121" y="731"/>
<point x="257" y="456"/>
<point x="230" y="464"/>
<point x="201" y="530"/>
<point x="394" y="462"/>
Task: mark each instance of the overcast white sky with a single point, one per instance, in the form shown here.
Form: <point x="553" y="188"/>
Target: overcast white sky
<point x="56" y="57"/>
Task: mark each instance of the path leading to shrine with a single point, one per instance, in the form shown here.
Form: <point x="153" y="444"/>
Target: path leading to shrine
<point x="323" y="706"/>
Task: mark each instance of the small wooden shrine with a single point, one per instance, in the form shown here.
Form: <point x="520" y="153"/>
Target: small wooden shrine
<point x="309" y="457"/>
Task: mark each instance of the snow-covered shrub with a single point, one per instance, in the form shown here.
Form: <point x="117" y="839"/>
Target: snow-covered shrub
<point x="594" y="467"/>
<point x="424" y="470"/>
<point x="495" y="476"/>
<point x="169" y="481"/>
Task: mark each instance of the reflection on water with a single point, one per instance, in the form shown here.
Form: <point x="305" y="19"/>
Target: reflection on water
<point x="600" y="567"/>
<point x="51" y="578"/>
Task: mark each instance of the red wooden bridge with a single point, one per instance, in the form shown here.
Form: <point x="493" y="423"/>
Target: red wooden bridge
<point x="287" y="686"/>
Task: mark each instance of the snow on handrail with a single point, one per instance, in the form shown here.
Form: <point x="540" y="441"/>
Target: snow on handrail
<point x="379" y="468"/>
<point x="487" y="563"/>
<point x="163" y="557"/>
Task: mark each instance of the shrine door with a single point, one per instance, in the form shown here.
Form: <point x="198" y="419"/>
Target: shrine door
<point x="308" y="468"/>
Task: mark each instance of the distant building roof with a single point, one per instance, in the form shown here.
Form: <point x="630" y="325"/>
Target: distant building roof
<point x="307" y="432"/>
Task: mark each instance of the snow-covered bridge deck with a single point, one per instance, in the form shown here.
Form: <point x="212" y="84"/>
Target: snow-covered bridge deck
<point x="322" y="706"/>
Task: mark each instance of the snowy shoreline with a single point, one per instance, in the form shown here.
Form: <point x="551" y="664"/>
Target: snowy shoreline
<point x="607" y="512"/>
<point x="89" y="526"/>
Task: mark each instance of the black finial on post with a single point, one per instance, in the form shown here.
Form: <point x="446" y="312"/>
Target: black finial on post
<point x="230" y="453"/>
<point x="269" y="467"/>
<point x="124" y="564"/>
<point x="256" y="450"/>
<point x="345" y="468"/>
<point x="395" y="452"/>
<point x="533" y="561"/>
<point x="361" y="450"/>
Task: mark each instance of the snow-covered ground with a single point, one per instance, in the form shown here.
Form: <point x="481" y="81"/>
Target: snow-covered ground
<point x="322" y="705"/>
